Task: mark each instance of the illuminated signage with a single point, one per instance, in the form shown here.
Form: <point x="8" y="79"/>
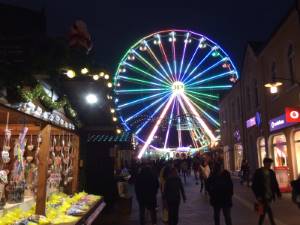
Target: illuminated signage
<point x="279" y="122"/>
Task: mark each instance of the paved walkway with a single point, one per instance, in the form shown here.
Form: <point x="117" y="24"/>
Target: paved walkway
<point x="197" y="211"/>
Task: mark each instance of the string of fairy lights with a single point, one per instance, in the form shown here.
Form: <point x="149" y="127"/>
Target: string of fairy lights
<point x="101" y="76"/>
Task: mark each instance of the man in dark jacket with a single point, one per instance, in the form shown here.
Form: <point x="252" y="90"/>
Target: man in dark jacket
<point x="220" y="190"/>
<point x="146" y="188"/>
<point x="265" y="188"/>
<point x="172" y="191"/>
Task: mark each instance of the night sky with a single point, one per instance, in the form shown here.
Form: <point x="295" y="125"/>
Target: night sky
<point x="114" y="27"/>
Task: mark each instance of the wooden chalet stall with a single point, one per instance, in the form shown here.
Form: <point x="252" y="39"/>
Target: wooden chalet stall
<point x="39" y="172"/>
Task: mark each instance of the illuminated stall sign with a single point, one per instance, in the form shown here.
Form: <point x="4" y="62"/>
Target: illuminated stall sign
<point x="279" y="122"/>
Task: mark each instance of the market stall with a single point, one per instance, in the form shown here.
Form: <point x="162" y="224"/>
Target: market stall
<point x="39" y="171"/>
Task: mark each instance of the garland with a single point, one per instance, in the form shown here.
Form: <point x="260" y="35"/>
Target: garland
<point x="38" y="93"/>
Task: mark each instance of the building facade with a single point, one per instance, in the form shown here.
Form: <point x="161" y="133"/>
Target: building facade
<point x="262" y="122"/>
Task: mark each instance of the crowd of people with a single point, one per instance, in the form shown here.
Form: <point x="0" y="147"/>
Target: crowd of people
<point x="152" y="177"/>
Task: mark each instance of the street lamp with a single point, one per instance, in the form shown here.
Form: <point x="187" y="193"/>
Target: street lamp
<point x="275" y="84"/>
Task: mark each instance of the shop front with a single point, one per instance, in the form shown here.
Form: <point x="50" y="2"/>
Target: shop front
<point x="282" y="145"/>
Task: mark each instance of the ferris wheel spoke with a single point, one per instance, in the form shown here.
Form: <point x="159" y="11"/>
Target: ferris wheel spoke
<point x="178" y="125"/>
<point x="192" y="135"/>
<point x="146" y="108"/>
<point x="152" y="54"/>
<point x="141" y="71"/>
<point x="149" y="119"/>
<point x="162" y="49"/>
<point x="212" y="87"/>
<point x="199" y="64"/>
<point x="199" y="119"/>
<point x="204" y="95"/>
<point x="206" y="70"/>
<point x="139" y="81"/>
<point x="139" y="90"/>
<point x="134" y="102"/>
<point x="211" y="118"/>
<point x="174" y="57"/>
<point x="158" y="122"/>
<point x="213" y="77"/>
<point x="169" y="126"/>
<point x="145" y="61"/>
<point x="190" y="62"/>
<point x="209" y="105"/>
<point x="183" y="56"/>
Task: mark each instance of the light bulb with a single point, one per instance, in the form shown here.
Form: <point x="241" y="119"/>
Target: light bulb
<point x="91" y="99"/>
<point x="114" y="119"/>
<point x="109" y="84"/>
<point x="106" y="76"/>
<point x="102" y="74"/>
<point x="84" y="70"/>
<point x="112" y="110"/>
<point x="96" y="77"/>
<point x="70" y="73"/>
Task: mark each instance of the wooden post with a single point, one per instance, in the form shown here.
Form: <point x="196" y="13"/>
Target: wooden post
<point x="76" y="146"/>
<point x="43" y="171"/>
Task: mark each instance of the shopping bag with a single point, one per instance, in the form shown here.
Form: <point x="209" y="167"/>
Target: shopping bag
<point x="259" y="208"/>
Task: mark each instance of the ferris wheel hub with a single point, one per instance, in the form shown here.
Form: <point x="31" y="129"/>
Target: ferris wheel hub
<point x="178" y="87"/>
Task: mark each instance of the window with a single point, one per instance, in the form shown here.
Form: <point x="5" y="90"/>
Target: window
<point x="291" y="62"/>
<point x="280" y="150"/>
<point x="273" y="71"/>
<point x="248" y="98"/>
<point x="233" y="111"/>
<point x="238" y="108"/>
<point x="256" y="93"/>
<point x="297" y="151"/>
<point x="261" y="150"/>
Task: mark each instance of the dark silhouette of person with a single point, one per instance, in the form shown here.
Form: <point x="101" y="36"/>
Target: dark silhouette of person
<point x="172" y="192"/>
<point x="146" y="188"/>
<point x="265" y="188"/>
<point x="220" y="190"/>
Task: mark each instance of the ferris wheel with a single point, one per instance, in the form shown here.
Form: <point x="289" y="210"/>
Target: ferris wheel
<point x="167" y="87"/>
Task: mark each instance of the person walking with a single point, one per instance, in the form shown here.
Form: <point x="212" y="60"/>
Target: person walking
<point x="296" y="191"/>
<point x="146" y="188"/>
<point x="204" y="175"/>
<point x="184" y="169"/>
<point x="220" y="190"/>
<point x="245" y="172"/>
<point x="265" y="188"/>
<point x="196" y="167"/>
<point x="164" y="174"/>
<point x="173" y="190"/>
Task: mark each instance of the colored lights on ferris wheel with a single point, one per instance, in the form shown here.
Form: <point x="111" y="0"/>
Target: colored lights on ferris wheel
<point x="172" y="39"/>
<point x="143" y="46"/>
<point x="109" y="97"/>
<point x="188" y="40"/>
<point x="202" y="43"/>
<point x="122" y="70"/>
<point x="233" y="79"/>
<point x="226" y="65"/>
<point x="118" y="84"/>
<point x="131" y="57"/>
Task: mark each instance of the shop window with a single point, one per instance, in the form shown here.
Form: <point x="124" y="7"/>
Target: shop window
<point x="261" y="150"/>
<point x="280" y="150"/>
<point x="297" y="150"/>
<point x="238" y="156"/>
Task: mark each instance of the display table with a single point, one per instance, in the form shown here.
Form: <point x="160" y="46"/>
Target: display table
<point x="92" y="214"/>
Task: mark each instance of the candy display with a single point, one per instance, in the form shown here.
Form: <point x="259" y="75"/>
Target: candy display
<point x="61" y="209"/>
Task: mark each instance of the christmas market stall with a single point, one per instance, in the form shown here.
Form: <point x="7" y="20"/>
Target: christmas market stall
<point x="39" y="169"/>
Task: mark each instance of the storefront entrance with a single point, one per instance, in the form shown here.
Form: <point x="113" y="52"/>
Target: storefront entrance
<point x="280" y="156"/>
<point x="297" y="152"/>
